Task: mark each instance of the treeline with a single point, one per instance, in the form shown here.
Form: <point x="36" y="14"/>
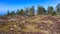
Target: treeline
<point x="40" y="11"/>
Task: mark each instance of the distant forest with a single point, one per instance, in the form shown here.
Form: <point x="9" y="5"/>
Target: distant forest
<point x="40" y="11"/>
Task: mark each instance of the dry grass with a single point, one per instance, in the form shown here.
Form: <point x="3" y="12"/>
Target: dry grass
<point x="30" y="26"/>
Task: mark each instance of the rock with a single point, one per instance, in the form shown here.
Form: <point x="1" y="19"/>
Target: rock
<point x="15" y="25"/>
<point x="23" y="21"/>
<point x="11" y="28"/>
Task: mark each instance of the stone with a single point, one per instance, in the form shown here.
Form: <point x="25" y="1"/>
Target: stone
<point x="15" y="25"/>
<point x="23" y="21"/>
<point x="11" y="28"/>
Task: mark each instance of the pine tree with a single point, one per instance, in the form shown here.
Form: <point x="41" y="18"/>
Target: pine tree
<point x="41" y="10"/>
<point x="32" y="11"/>
<point x="58" y="9"/>
<point x="22" y="12"/>
<point x="27" y="11"/>
<point x="12" y="13"/>
<point x="18" y="12"/>
<point x="50" y="10"/>
<point x="8" y="13"/>
<point x="54" y="13"/>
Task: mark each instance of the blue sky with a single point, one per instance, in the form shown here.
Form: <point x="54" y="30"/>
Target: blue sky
<point x="15" y="4"/>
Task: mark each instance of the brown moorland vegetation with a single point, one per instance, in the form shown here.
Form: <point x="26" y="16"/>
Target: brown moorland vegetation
<point x="39" y="24"/>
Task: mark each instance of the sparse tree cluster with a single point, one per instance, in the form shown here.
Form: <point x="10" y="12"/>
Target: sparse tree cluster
<point x="40" y="11"/>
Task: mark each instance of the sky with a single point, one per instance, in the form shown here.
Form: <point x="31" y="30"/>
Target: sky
<point x="13" y="5"/>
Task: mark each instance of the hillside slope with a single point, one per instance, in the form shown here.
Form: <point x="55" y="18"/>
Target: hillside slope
<point x="40" y="24"/>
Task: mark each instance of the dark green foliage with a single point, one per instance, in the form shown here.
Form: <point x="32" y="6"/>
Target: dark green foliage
<point x="18" y="12"/>
<point x="54" y="13"/>
<point x="22" y="12"/>
<point x="32" y="11"/>
<point x="26" y="11"/>
<point x="44" y="11"/>
<point x="41" y="10"/>
<point x="58" y="9"/>
<point x="12" y="13"/>
<point x="50" y="10"/>
<point x="8" y="13"/>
